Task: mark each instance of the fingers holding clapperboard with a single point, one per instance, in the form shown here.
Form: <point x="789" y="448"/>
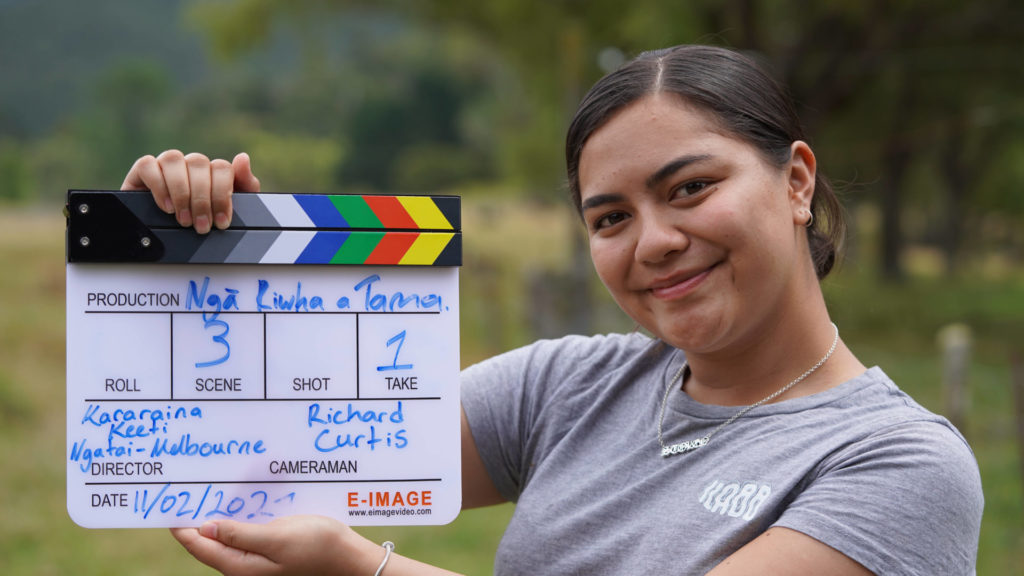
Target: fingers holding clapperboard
<point x="194" y="188"/>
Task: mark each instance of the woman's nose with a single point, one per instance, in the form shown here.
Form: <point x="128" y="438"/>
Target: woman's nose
<point x="660" y="236"/>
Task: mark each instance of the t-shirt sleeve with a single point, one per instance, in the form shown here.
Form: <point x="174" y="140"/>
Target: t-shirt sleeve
<point x="494" y="398"/>
<point x="520" y="403"/>
<point x="905" y="500"/>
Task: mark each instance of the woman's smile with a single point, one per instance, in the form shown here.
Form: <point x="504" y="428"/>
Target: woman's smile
<point x="679" y="285"/>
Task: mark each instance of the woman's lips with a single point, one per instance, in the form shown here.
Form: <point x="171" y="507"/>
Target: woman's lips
<point x="680" y="286"/>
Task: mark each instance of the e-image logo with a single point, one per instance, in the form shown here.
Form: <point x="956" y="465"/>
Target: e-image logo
<point x="735" y="499"/>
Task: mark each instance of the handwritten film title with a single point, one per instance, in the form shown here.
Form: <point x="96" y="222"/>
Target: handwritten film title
<point x="201" y="297"/>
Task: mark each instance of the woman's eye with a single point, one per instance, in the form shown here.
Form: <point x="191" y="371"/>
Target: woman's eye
<point x="692" y="188"/>
<point x="609" y="220"/>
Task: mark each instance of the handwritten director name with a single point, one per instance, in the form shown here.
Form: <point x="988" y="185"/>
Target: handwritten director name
<point x="148" y="433"/>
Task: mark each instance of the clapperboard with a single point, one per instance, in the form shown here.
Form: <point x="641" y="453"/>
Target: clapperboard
<point x="303" y="361"/>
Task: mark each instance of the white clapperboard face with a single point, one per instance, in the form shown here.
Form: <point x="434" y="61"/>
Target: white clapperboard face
<point x="304" y="361"/>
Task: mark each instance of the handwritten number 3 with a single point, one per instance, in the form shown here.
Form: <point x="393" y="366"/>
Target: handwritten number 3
<point x="400" y="339"/>
<point x="213" y="322"/>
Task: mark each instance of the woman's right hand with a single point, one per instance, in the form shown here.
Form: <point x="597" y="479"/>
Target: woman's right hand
<point x="194" y="188"/>
<point x="293" y="545"/>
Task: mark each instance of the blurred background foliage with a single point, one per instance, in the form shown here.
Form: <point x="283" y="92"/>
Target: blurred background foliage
<point x="913" y="106"/>
<point x="915" y="109"/>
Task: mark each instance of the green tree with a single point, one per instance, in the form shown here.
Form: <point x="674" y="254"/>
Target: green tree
<point x="15" y="172"/>
<point x="123" y="118"/>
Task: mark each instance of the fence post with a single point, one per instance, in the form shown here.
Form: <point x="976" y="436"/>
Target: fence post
<point x="1017" y="383"/>
<point x="955" y="341"/>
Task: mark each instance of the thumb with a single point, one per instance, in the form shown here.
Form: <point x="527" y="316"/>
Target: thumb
<point x="245" y="180"/>
<point x="205" y="547"/>
<point x="240" y="535"/>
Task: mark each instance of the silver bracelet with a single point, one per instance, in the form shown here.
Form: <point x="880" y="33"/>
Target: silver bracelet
<point x="388" y="547"/>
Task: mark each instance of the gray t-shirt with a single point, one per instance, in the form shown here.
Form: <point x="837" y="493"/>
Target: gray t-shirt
<point x="567" y="429"/>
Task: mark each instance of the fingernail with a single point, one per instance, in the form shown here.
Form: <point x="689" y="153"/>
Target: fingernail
<point x="208" y="529"/>
<point x="202" y="224"/>
<point x="168" y="206"/>
<point x="221" y="219"/>
<point x="185" y="218"/>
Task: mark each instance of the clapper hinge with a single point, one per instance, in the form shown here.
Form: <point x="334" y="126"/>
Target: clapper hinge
<point x="100" y="228"/>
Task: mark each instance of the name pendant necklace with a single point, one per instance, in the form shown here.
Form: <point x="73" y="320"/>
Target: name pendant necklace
<point x="691" y="445"/>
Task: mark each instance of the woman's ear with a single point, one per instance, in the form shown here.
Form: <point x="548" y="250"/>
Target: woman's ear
<point x="801" y="171"/>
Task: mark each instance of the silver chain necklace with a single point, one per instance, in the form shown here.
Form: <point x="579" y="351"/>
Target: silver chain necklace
<point x="691" y="445"/>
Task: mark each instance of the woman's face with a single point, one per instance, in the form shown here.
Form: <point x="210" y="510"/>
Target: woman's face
<point x="695" y="234"/>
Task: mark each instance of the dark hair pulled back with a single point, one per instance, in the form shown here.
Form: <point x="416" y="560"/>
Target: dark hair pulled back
<point x="739" y="95"/>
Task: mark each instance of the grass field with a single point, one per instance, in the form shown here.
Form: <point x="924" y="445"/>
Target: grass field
<point x="892" y="327"/>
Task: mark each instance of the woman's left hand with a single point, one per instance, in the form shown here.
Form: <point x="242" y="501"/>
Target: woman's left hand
<point x="291" y="545"/>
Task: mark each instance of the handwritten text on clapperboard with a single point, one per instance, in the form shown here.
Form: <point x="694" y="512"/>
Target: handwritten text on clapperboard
<point x="252" y="392"/>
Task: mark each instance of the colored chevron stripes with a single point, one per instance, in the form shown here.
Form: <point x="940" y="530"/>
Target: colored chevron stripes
<point x="383" y="248"/>
<point x="346" y="212"/>
<point x="312" y="247"/>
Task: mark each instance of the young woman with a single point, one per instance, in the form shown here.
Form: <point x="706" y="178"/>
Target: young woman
<point x="742" y="436"/>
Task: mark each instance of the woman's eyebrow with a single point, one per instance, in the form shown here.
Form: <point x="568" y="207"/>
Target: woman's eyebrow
<point x="600" y="199"/>
<point x="674" y="166"/>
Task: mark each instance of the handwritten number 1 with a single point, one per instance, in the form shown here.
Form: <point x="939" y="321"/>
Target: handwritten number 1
<point x="400" y="339"/>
